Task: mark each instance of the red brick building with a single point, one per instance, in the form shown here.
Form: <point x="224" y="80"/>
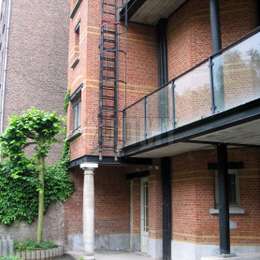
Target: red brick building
<point x="163" y="125"/>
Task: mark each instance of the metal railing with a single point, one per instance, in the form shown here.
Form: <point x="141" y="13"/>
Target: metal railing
<point x="225" y="80"/>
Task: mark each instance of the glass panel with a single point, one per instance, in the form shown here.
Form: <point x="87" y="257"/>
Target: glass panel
<point x="238" y="70"/>
<point x="160" y="111"/>
<point x="134" y="123"/>
<point x="193" y="95"/>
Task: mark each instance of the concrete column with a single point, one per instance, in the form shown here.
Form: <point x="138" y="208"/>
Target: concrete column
<point x="88" y="210"/>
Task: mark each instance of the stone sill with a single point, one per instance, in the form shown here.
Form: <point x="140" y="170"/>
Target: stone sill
<point x="75" y="9"/>
<point x="75" y="62"/>
<point x="232" y="211"/>
<point x="75" y="134"/>
<point x="41" y="254"/>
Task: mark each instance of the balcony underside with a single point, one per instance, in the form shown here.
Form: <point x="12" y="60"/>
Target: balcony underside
<point x="238" y="126"/>
<point x="150" y="11"/>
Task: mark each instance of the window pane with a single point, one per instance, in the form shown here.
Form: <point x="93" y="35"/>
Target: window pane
<point x="232" y="189"/>
<point x="76" y="115"/>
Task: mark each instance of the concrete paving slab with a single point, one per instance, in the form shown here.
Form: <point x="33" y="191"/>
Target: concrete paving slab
<point x="107" y="255"/>
<point x="120" y="256"/>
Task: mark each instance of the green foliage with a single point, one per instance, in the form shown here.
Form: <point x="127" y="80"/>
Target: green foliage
<point x="66" y="101"/>
<point x="19" y="182"/>
<point x="34" y="127"/>
<point x="33" y="245"/>
<point x="9" y="258"/>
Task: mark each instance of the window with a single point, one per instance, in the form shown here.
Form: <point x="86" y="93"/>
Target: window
<point x="76" y="107"/>
<point x="77" y="34"/>
<point x="233" y="185"/>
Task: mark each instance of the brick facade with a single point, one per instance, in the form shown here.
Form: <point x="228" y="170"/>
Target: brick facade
<point x="193" y="197"/>
<point x="140" y="42"/>
<point x="118" y="208"/>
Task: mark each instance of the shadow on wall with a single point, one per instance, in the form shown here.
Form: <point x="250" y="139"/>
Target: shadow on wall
<point x="53" y="227"/>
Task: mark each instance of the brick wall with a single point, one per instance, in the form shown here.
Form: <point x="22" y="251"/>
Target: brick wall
<point x="141" y="71"/>
<point x="155" y="205"/>
<point x="189" y="35"/>
<point x="193" y="196"/>
<point x="135" y="206"/>
<point x="112" y="203"/>
<point x="37" y="58"/>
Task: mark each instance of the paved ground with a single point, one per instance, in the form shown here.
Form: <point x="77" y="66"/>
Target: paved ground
<point x="110" y="256"/>
<point x="121" y="256"/>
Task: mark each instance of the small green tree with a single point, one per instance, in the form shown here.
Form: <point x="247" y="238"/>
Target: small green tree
<point x="38" y="129"/>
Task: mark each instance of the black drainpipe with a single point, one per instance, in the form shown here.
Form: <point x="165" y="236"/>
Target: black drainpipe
<point x="165" y="162"/>
<point x="163" y="52"/>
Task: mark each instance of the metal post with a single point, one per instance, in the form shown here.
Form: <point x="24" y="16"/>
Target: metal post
<point x="223" y="199"/>
<point x="163" y="72"/>
<point x="167" y="207"/>
<point x="213" y="104"/>
<point x="258" y="13"/>
<point x="145" y="117"/>
<point x="217" y="70"/>
<point x="173" y="106"/>
<point x="215" y="25"/>
<point x="124" y="128"/>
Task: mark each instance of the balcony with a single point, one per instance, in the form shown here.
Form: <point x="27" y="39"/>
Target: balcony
<point x="216" y="101"/>
<point x="149" y="11"/>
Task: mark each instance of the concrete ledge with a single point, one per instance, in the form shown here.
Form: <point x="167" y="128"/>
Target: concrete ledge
<point x="40" y="254"/>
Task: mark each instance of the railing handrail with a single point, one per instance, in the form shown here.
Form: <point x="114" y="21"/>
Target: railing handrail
<point x="245" y="37"/>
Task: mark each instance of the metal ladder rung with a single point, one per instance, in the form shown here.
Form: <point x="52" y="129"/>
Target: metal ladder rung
<point x="109" y="4"/>
<point x="109" y="32"/>
<point x="108" y="68"/>
<point x="108" y="59"/>
<point x="109" y="13"/>
<point x="110" y="40"/>
<point x="108" y="98"/>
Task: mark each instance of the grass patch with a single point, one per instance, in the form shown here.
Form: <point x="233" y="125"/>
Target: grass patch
<point x="33" y="245"/>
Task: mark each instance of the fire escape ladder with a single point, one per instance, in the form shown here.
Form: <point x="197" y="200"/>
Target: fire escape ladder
<point x="108" y="87"/>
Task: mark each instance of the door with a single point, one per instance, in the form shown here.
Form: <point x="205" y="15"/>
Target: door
<point x="144" y="215"/>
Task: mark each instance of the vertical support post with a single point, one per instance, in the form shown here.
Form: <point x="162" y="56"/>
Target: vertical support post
<point x="215" y="26"/>
<point x="88" y="210"/>
<point x="224" y="228"/>
<point x="173" y="106"/>
<point x="163" y="72"/>
<point x="145" y="117"/>
<point x="217" y="70"/>
<point x="257" y="13"/>
<point x="213" y="104"/>
<point x="167" y="207"/>
<point x="124" y="127"/>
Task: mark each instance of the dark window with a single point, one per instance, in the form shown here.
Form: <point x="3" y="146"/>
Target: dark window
<point x="76" y="107"/>
<point x="77" y="34"/>
<point x="233" y="185"/>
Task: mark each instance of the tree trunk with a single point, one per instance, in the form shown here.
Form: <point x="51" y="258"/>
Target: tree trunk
<point x="41" y="201"/>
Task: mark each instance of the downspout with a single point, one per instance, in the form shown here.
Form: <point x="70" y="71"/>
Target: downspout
<point x="165" y="162"/>
<point x="163" y="71"/>
<point x="5" y="66"/>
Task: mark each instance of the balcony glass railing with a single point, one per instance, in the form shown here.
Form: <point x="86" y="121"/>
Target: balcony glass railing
<point x="224" y="81"/>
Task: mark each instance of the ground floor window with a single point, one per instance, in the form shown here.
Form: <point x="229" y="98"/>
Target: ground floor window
<point x="233" y="186"/>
